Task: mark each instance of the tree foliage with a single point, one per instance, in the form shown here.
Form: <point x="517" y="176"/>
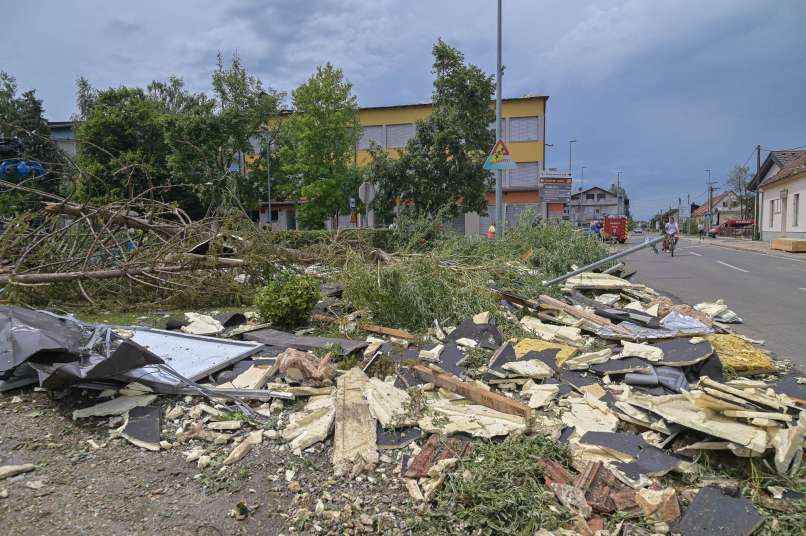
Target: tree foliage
<point x="738" y="180"/>
<point x="442" y="164"/>
<point x="188" y="146"/>
<point x="22" y="119"/>
<point x="321" y="136"/>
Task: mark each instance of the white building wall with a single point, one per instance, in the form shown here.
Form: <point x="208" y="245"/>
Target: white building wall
<point x="775" y="229"/>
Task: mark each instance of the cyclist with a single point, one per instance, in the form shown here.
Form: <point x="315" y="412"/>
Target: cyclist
<point x="672" y="233"/>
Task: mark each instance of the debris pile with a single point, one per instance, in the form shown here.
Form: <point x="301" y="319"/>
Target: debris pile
<point x="630" y="388"/>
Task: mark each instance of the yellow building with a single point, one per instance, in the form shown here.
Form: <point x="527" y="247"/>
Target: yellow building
<point x="524" y="131"/>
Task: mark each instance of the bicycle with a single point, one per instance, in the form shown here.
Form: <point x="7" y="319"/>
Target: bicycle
<point x="669" y="242"/>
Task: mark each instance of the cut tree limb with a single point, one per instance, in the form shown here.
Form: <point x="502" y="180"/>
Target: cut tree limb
<point x="78" y="211"/>
<point x="391" y="332"/>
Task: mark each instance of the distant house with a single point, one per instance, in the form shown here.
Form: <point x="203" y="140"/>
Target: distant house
<point x="724" y="207"/>
<point x="596" y="203"/>
<point x="781" y="187"/>
<point x="63" y="135"/>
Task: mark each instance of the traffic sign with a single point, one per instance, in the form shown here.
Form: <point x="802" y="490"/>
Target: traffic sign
<point x="500" y="158"/>
<point x="366" y="192"/>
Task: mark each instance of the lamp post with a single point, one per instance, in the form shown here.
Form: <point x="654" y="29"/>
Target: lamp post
<point x="499" y="174"/>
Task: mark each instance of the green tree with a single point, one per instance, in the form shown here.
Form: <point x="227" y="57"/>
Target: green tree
<point x="322" y="135"/>
<point x="738" y="181"/>
<point x="22" y="119"/>
<point x="441" y="166"/>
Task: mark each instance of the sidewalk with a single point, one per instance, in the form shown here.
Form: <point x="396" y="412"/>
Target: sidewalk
<point x="755" y="246"/>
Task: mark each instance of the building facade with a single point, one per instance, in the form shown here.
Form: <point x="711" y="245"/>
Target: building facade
<point x="523" y="130"/>
<point x="595" y="203"/>
<point x="724" y="207"/>
<point x="781" y="199"/>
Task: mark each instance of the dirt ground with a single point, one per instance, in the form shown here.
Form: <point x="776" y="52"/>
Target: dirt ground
<point x="121" y="489"/>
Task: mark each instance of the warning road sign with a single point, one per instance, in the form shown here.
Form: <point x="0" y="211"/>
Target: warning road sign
<point x="500" y="157"/>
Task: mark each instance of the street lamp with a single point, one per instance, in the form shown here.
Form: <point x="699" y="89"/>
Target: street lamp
<point x="570" y="142"/>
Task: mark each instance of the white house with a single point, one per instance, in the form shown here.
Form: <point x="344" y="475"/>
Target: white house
<point x="781" y="187"/>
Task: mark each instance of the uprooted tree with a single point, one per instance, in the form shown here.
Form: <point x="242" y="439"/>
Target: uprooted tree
<point x="441" y="166"/>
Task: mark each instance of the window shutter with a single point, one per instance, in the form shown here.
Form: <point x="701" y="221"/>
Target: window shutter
<point x="372" y="134"/>
<point x="525" y="175"/>
<point x="524" y="128"/>
<point x="398" y="135"/>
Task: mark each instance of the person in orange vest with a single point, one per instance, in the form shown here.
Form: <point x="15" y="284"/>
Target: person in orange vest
<point x="491" y="231"/>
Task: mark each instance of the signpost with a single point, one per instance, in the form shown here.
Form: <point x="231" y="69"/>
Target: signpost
<point x="366" y="193"/>
<point x="500" y="158"/>
<point x="555" y="187"/>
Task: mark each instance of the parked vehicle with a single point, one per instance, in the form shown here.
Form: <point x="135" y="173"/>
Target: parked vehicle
<point x="733" y="228"/>
<point x="615" y="228"/>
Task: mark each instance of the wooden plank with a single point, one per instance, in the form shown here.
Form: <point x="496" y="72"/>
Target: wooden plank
<point x="392" y="332"/>
<point x="758" y="415"/>
<point x="552" y="303"/>
<point x="473" y="392"/>
<point x="354" y="437"/>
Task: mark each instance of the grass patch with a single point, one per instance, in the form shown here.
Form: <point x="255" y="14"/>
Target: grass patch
<point x="500" y="490"/>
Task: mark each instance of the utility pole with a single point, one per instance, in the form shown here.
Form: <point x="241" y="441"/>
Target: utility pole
<point x="710" y="212"/>
<point x="581" y="188"/>
<point x="499" y="174"/>
<point x="688" y="211"/>
<point x="570" y="143"/>
<point x="618" y="192"/>
<point x="757" y="224"/>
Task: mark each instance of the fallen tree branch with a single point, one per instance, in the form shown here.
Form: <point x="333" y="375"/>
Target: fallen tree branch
<point x="77" y="211"/>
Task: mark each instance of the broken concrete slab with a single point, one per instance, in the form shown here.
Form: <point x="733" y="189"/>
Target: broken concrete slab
<point x="312" y="424"/>
<point x="255" y="377"/>
<point x="116" y="406"/>
<point x="572" y="498"/>
<point x="244" y="447"/>
<point x="532" y="368"/>
<point x="718" y="311"/>
<point x="551" y="332"/>
<point x="354" y="435"/>
<point x="678" y="409"/>
<point x="645" y="351"/>
<point x="200" y="324"/>
<point x="388" y="404"/>
<point x="584" y="361"/>
<point x="540" y="394"/>
<point x="659" y="505"/>
<point x="788" y="445"/>
<point x="713" y="512"/>
<point x="587" y="416"/>
<point x="282" y="339"/>
<point x="472" y="419"/>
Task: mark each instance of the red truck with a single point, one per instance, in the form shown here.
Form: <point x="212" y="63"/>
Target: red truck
<point x="615" y="228"/>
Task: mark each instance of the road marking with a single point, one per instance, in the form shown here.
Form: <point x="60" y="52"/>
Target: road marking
<point x="731" y="266"/>
<point x="695" y="253"/>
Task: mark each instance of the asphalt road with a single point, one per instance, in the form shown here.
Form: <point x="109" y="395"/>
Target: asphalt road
<point x="768" y="291"/>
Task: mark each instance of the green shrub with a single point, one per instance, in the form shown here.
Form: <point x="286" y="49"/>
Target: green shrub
<point x="287" y="300"/>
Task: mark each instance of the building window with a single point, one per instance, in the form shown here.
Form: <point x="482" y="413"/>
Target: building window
<point x="590" y="196"/>
<point x="398" y="135"/>
<point x="373" y="134"/>
<point x="524" y="128"/>
<point x="601" y="196"/>
<point x="525" y="175"/>
<point x="795" y="209"/>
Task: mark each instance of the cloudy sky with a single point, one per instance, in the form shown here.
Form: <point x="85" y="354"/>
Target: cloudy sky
<point x="660" y="90"/>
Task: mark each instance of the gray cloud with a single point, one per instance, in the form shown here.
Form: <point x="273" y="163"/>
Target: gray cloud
<point x="660" y="90"/>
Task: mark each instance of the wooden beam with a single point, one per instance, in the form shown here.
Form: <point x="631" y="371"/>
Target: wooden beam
<point x="474" y="392"/>
<point x="392" y="332"/>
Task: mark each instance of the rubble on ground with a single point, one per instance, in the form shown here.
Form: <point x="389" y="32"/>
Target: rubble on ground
<point x="635" y="387"/>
